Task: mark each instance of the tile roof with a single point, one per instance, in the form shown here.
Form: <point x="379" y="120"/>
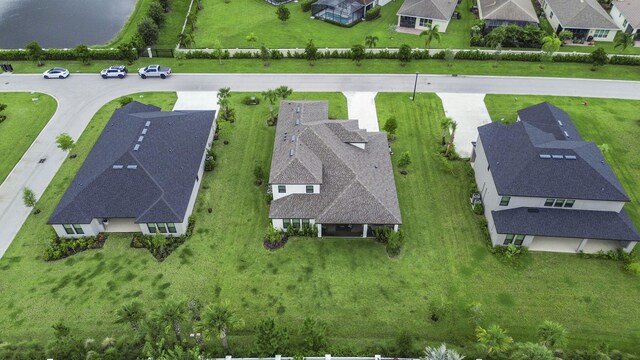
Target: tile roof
<point x="581" y="14"/>
<point x="522" y="161"/>
<point x="583" y="224"/>
<point x="428" y="9"/>
<point x="514" y="10"/>
<point x="356" y="185"/>
<point x="143" y="166"/>
<point x="630" y="9"/>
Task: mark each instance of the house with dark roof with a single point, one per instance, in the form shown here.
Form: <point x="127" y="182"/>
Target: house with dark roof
<point x="626" y="14"/>
<point x="505" y="12"/>
<point x="420" y="14"/>
<point x="142" y="175"/>
<point x="544" y="187"/>
<point x="586" y="19"/>
<point x="331" y="174"/>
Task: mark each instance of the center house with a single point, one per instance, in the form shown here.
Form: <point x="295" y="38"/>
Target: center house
<point x="330" y="173"/>
<point x="142" y="175"/>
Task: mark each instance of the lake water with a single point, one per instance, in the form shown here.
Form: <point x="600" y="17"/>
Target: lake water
<point x="61" y="23"/>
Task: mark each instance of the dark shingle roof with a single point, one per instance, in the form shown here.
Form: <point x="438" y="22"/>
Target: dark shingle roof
<point x="517" y="155"/>
<point x="143" y="166"/>
<point x="513" y="10"/>
<point x="581" y="14"/>
<point x="429" y="9"/>
<point x="357" y="185"/>
<point x="583" y="224"/>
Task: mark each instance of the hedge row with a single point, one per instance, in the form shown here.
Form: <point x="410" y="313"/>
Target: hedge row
<point x="59" y="54"/>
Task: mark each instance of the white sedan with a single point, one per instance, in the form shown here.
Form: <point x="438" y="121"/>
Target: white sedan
<point x="56" y="73"/>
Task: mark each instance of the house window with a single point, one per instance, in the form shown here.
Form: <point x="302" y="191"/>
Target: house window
<point x="569" y="203"/>
<point x="551" y="15"/>
<point x="78" y="229"/>
<point x="295" y="223"/>
<point x="286" y="223"/>
<point x="624" y="23"/>
<point x="505" y="200"/>
<point x="425" y="22"/>
<point x="559" y="203"/>
<point x="68" y="229"/>
<point x="519" y="240"/>
<point x="172" y="228"/>
<point x="152" y="228"/>
<point x="282" y="189"/>
<point x="309" y="189"/>
<point x="600" y="34"/>
<point x="162" y="227"/>
<point x="549" y="202"/>
<point x="508" y="239"/>
<point x="305" y="223"/>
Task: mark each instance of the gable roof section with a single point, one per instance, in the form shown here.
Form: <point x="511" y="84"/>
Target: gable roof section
<point x="581" y="14"/>
<point x="143" y="166"/>
<point x="630" y="9"/>
<point x="357" y="185"/>
<point x="521" y="158"/>
<point x="514" y="10"/>
<point x="428" y="9"/>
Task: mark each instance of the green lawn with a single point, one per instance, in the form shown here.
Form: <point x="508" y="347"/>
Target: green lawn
<point x="340" y="66"/>
<point x="366" y="298"/>
<point x="25" y="120"/>
<point x="603" y="121"/>
<point x="231" y="22"/>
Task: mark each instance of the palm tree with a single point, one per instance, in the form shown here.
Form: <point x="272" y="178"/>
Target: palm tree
<point x="173" y="313"/>
<point x="441" y="353"/>
<point x="445" y="124"/>
<point x="271" y="96"/>
<point x="370" y="41"/>
<point x="251" y="38"/>
<point x="223" y="99"/>
<point x="218" y="320"/>
<point x="430" y="34"/>
<point x="284" y="92"/>
<point x="551" y="44"/>
<point x="132" y="313"/>
<point x="552" y="334"/>
<point x="623" y="40"/>
<point x="454" y="126"/>
<point x="493" y="340"/>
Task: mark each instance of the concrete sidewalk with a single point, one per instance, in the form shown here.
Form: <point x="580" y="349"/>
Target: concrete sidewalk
<point x="469" y="111"/>
<point x="362" y="107"/>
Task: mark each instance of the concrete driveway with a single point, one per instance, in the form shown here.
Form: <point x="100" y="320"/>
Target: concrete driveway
<point x="197" y="100"/>
<point x="361" y="106"/>
<point x="81" y="95"/>
<point x="469" y="111"/>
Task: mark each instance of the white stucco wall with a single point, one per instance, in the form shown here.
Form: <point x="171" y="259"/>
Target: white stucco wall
<point x="442" y="24"/>
<point x="278" y="223"/>
<point x="292" y="189"/>
<point x="617" y="16"/>
<point x="91" y="229"/>
<point x="547" y="12"/>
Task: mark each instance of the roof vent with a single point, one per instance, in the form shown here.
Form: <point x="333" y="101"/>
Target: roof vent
<point x="140" y="138"/>
<point x="144" y="131"/>
<point x="117" y="167"/>
<point x="293" y="138"/>
<point x="132" y="167"/>
<point x="560" y="122"/>
<point x="570" y="157"/>
<point x="298" y="109"/>
<point x="566" y="134"/>
<point x="297" y="121"/>
<point x="545" y="156"/>
<point x="147" y="124"/>
<point x="291" y="152"/>
<point x="136" y="148"/>
<point x="557" y="157"/>
<point x="533" y="210"/>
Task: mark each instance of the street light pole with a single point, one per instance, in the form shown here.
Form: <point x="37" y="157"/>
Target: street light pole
<point x="415" y="85"/>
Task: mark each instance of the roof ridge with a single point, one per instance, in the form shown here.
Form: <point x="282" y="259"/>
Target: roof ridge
<point x="523" y="9"/>
<point x="499" y="7"/>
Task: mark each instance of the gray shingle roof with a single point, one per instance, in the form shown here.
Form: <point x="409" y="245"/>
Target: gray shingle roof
<point x="581" y="14"/>
<point x="166" y="163"/>
<point x="514" y="156"/>
<point x="583" y="224"/>
<point x="630" y="9"/>
<point x="357" y="185"/>
<point x="514" y="10"/>
<point x="428" y="9"/>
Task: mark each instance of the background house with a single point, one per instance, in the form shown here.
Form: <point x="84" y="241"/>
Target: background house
<point x="504" y="12"/>
<point x="586" y="19"/>
<point x="330" y="173"/>
<point x="142" y="175"/>
<point x="418" y="14"/>
<point x="544" y="187"/>
<point x="626" y="14"/>
<point x="341" y="11"/>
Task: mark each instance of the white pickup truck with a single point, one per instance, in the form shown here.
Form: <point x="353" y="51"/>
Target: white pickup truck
<point x="154" y="71"/>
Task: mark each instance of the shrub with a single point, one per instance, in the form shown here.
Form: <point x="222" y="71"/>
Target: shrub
<point x="60" y="248"/>
<point x="148" y="31"/>
<point x="394" y="243"/>
<point x="156" y="13"/>
<point x="251" y="100"/>
<point x="404" y="345"/>
<point x="268" y="198"/>
<point x="274" y="238"/>
<point x="633" y="267"/>
<point x="83" y="54"/>
<point x="209" y="165"/>
<point x="306" y="5"/>
<point x="258" y="174"/>
<point x="161" y="246"/>
<point x="125" y="100"/>
<point x="314" y="336"/>
<point x="373" y="13"/>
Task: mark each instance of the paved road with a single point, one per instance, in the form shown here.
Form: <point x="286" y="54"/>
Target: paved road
<point x="81" y="95"/>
